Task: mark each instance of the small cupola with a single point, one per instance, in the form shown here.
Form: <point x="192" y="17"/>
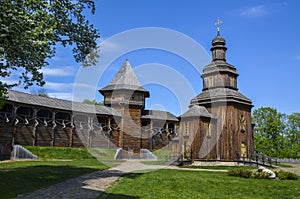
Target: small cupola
<point x="218" y="46"/>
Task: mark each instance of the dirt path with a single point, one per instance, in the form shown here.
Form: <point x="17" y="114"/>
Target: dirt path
<point x="295" y="169"/>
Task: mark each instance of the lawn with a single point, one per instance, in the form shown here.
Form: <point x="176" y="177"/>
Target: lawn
<point x="55" y="164"/>
<point x="199" y="184"/>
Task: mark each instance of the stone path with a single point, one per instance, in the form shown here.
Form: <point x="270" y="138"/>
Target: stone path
<point x="90" y="185"/>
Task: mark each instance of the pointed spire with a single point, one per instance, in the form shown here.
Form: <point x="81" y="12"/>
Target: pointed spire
<point x="125" y="76"/>
<point x="125" y="79"/>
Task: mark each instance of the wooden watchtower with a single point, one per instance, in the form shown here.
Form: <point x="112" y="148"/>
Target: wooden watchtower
<point x="126" y="95"/>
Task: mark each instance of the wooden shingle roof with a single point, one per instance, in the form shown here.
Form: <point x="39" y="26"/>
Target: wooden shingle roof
<point x="59" y="104"/>
<point x="196" y="111"/>
<point x="159" y="115"/>
<point x="125" y="79"/>
<point x="220" y="95"/>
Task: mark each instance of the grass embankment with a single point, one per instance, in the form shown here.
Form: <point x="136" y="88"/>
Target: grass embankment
<point x="55" y="164"/>
<point x="161" y="155"/>
<point x="200" y="184"/>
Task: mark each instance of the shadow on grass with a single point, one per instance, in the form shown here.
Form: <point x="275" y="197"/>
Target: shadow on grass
<point x="20" y="180"/>
<point x="115" y="196"/>
<point x="132" y="175"/>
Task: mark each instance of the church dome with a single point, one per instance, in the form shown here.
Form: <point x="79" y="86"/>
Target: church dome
<point x="218" y="41"/>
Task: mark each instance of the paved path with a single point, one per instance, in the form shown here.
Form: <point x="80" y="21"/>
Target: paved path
<point x="90" y="185"/>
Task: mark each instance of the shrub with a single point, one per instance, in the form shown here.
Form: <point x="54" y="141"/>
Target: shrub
<point x="260" y="175"/>
<point x="240" y="173"/>
<point x="245" y="173"/>
<point x="284" y="175"/>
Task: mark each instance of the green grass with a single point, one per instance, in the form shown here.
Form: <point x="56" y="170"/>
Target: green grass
<point x="55" y="164"/>
<point x="283" y="165"/>
<point x="106" y="156"/>
<point x="199" y="184"/>
<point x="161" y="155"/>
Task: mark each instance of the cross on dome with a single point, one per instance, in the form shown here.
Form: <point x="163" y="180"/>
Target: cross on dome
<point x="218" y="24"/>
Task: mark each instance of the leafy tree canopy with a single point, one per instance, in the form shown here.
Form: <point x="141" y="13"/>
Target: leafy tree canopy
<point x="29" y="31"/>
<point x="87" y="101"/>
<point x="276" y="134"/>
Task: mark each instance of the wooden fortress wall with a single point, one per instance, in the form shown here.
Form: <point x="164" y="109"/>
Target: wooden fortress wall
<point x="33" y="126"/>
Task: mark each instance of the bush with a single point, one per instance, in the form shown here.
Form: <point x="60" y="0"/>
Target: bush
<point x="284" y="175"/>
<point x="260" y="175"/>
<point x="245" y="173"/>
<point x="240" y="173"/>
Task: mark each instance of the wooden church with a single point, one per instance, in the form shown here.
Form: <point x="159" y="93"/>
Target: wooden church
<point x="216" y="126"/>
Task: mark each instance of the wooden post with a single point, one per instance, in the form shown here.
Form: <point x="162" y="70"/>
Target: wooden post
<point x="34" y="127"/>
<point x="151" y="131"/>
<point x="72" y="131"/>
<point x="89" y="130"/>
<point x="53" y="129"/>
<point x="15" y="128"/>
<point x="108" y="126"/>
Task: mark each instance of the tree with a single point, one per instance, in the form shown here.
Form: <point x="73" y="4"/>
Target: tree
<point x="42" y="92"/>
<point x="269" y="131"/>
<point x="30" y="30"/>
<point x="293" y="135"/>
<point x="87" y="101"/>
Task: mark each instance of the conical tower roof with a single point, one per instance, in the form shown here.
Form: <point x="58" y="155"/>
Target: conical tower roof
<point x="125" y="79"/>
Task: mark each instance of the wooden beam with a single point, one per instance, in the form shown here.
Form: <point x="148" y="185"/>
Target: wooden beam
<point x="53" y="129"/>
<point x="34" y="127"/>
<point x="72" y="131"/>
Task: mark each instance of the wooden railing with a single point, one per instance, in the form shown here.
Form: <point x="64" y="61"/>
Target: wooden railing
<point x="257" y="158"/>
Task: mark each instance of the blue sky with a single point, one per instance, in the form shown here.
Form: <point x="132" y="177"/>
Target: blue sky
<point x="262" y="40"/>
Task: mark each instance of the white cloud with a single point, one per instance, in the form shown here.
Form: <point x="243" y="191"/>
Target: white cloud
<point x="9" y="80"/>
<point x="57" y="86"/>
<point x="254" y="11"/>
<point x="109" y="46"/>
<point x="61" y="95"/>
<point x="61" y="71"/>
<point x="84" y="85"/>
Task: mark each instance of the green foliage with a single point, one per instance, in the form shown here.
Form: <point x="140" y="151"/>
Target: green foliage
<point x="87" y="101"/>
<point x="292" y="145"/>
<point x="30" y="30"/>
<point x="260" y="175"/>
<point x="245" y="173"/>
<point x="200" y="184"/>
<point x="42" y="92"/>
<point x="284" y="175"/>
<point x="276" y="134"/>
